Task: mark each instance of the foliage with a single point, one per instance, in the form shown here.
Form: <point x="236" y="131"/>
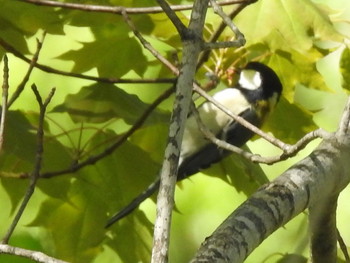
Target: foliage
<point x="303" y="40"/>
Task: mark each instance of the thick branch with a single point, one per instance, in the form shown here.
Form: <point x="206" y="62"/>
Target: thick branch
<point x="323" y="173"/>
<point x="48" y="69"/>
<point x="323" y="229"/>
<point x="25" y="253"/>
<point x="165" y="200"/>
<point x="95" y="158"/>
<point x="32" y="63"/>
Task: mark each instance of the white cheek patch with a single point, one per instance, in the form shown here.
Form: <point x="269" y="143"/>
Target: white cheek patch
<point x="250" y="79"/>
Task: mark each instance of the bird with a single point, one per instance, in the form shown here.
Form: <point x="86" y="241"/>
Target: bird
<point x="255" y="95"/>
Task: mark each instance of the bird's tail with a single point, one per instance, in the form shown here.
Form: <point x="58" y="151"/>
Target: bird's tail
<point x="134" y="203"/>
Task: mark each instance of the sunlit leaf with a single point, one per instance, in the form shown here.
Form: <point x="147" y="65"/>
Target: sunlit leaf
<point x="109" y="56"/>
<point x="285" y="17"/>
<point x="102" y="102"/>
<point x="290" y="127"/>
<point x="345" y="68"/>
<point x="242" y="174"/>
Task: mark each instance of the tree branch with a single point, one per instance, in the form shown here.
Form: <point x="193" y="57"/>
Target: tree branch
<point x="32" y="64"/>
<point x="323" y="173"/>
<point x="180" y="27"/>
<point x="148" y="45"/>
<point x="345" y="121"/>
<point x="288" y="150"/>
<point x="119" y="9"/>
<point x="47" y="69"/>
<point x="165" y="199"/>
<point x="293" y="150"/>
<point x="25" y="253"/>
<point x="240" y="40"/>
<point x="323" y="229"/>
<point x="93" y="159"/>
<point x="215" y="36"/>
<point x="5" y="89"/>
<point x="38" y="160"/>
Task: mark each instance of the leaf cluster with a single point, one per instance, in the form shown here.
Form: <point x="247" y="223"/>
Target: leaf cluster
<point x="299" y="39"/>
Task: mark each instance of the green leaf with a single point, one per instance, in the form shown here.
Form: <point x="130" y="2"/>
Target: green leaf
<point x="82" y="212"/>
<point x="109" y="56"/>
<point x="28" y="18"/>
<point x="60" y="218"/>
<point x="19" y="143"/>
<point x="15" y="189"/>
<point x="20" y="146"/>
<point x="327" y="106"/>
<point x="299" y="22"/>
<point x="132" y="239"/>
<point x="345" y="68"/>
<point x="241" y="173"/>
<point x="102" y="102"/>
<point x="22" y="239"/>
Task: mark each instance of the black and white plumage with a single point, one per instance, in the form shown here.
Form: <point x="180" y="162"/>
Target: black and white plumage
<point x="255" y="95"/>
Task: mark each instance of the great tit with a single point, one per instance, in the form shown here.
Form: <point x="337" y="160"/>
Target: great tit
<point x="253" y="98"/>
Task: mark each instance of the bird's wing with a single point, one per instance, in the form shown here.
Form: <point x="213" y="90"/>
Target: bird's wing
<point x="234" y="134"/>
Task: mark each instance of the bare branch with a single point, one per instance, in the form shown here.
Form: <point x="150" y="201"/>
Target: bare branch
<point x="242" y="121"/>
<point x="119" y="9"/>
<point x="148" y="45"/>
<point x="32" y="63"/>
<point x="345" y="121"/>
<point x="292" y="149"/>
<point x="93" y="159"/>
<point x="180" y="27"/>
<point x="215" y="36"/>
<point x="38" y="161"/>
<point x="276" y="203"/>
<point x="25" y="253"/>
<point x="47" y="69"/>
<point x="168" y="178"/>
<point x="343" y="247"/>
<point x="5" y="88"/>
<point x="240" y="40"/>
<point x="288" y="149"/>
<point x="323" y="229"/>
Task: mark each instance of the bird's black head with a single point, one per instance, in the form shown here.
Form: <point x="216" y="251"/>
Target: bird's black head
<point x="259" y="82"/>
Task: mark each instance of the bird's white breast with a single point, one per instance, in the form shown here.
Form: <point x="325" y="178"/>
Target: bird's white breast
<point x="213" y="118"/>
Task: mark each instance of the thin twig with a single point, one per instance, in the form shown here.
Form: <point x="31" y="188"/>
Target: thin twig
<point x="9" y="48"/>
<point x="20" y="88"/>
<point x="38" y="161"/>
<point x="180" y="27"/>
<point x="288" y="150"/>
<point x="345" y="120"/>
<point x="119" y="9"/>
<point x="192" y="43"/>
<point x="256" y="157"/>
<point x="148" y="45"/>
<point x="240" y="40"/>
<point x="343" y="246"/>
<point x="5" y="88"/>
<point x="215" y="36"/>
<point x="93" y="159"/>
<point x="242" y="121"/>
<point x="25" y="253"/>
